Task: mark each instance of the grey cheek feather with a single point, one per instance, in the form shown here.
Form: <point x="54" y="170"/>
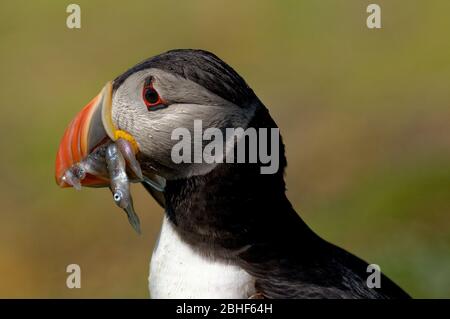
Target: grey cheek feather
<point x="153" y="129"/>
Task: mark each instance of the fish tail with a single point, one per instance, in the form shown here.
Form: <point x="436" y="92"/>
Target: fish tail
<point x="133" y="218"/>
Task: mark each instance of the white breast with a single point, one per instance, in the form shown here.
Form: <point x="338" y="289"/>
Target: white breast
<point x="177" y="271"/>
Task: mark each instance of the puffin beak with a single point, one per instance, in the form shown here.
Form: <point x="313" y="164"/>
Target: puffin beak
<point x="91" y="127"/>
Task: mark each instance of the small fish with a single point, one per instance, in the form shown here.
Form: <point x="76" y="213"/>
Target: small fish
<point x="93" y="164"/>
<point x="127" y="151"/>
<point x="119" y="184"/>
<point x="73" y="176"/>
<point x="110" y="161"/>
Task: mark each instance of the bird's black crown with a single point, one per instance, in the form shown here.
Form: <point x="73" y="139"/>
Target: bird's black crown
<point x="201" y="67"/>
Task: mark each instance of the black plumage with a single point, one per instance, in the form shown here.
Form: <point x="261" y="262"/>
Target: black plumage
<point x="202" y="67"/>
<point x="237" y="214"/>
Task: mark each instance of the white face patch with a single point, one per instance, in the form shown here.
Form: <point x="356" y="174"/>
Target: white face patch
<point x="188" y="101"/>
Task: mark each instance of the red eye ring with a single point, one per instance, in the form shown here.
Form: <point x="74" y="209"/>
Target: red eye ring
<point x="151" y="97"/>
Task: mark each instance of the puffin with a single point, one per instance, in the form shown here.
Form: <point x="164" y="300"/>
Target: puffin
<point x="228" y="230"/>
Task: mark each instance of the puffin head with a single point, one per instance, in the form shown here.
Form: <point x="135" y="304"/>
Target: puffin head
<point x="150" y="101"/>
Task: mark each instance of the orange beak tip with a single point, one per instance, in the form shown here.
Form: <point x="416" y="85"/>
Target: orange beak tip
<point x="86" y="131"/>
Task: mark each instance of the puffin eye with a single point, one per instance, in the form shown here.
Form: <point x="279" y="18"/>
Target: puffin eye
<point x="151" y="97"/>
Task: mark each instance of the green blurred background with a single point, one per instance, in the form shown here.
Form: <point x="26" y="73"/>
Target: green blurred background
<point x="364" y="114"/>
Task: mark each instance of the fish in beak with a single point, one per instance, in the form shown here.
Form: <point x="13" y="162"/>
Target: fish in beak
<point x="94" y="153"/>
<point x="82" y="157"/>
<point x="91" y="127"/>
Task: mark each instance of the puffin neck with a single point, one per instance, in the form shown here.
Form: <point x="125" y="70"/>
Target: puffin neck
<point x="223" y="207"/>
<point x="234" y="206"/>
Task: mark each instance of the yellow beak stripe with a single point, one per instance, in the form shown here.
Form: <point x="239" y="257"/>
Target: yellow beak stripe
<point x="126" y="136"/>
